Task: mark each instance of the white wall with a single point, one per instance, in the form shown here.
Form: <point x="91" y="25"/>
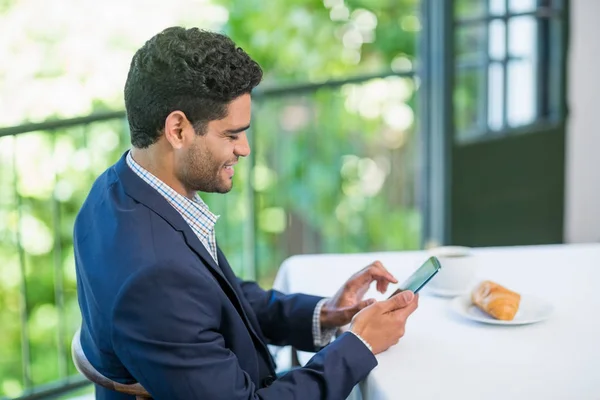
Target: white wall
<point x="582" y="214"/>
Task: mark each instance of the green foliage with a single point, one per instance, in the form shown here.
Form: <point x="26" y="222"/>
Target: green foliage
<point x="5" y="5"/>
<point x="334" y="170"/>
<point x="297" y="40"/>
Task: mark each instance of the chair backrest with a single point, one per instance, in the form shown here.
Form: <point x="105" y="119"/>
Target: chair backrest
<point x="88" y="370"/>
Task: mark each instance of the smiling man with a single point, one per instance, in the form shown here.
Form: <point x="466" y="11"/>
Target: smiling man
<point x="159" y="302"/>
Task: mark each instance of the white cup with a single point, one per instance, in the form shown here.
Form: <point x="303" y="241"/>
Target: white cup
<point x="458" y="269"/>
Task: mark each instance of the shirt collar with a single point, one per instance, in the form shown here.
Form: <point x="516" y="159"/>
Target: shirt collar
<point x="166" y="191"/>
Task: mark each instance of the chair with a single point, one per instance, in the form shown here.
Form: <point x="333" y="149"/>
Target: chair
<point x="87" y="370"/>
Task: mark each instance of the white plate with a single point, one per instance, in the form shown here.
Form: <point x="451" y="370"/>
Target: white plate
<point x="531" y="309"/>
<point x="443" y="292"/>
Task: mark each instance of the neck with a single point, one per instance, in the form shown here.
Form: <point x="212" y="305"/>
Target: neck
<point x="160" y="163"/>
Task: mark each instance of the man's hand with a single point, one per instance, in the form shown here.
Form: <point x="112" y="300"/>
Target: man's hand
<point x="339" y="310"/>
<point x="382" y="324"/>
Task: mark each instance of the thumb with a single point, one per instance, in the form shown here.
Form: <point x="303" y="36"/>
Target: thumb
<point x="400" y="300"/>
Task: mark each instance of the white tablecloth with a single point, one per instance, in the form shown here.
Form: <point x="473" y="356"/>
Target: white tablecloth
<point x="444" y="356"/>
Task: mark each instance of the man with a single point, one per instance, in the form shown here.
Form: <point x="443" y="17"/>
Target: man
<point x="159" y="301"/>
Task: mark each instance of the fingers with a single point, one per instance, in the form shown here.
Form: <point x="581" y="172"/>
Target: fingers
<point x="373" y="272"/>
<point x="382" y="285"/>
<point x="359" y="306"/>
<point x="401" y="300"/>
<point x="351" y="311"/>
<point x="377" y="272"/>
<point x="366" y="303"/>
<point x="404" y="312"/>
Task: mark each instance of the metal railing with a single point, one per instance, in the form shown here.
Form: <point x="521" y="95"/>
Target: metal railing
<point x="321" y="171"/>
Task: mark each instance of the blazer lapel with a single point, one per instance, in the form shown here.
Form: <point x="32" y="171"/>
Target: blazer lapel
<point x="145" y="194"/>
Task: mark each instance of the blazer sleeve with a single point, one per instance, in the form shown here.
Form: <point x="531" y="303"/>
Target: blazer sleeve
<point x="166" y="332"/>
<point x="284" y="319"/>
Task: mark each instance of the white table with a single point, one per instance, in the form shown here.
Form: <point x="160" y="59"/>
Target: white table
<point x="444" y="356"/>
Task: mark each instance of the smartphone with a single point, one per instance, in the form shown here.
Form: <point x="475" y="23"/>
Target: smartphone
<point x="420" y="277"/>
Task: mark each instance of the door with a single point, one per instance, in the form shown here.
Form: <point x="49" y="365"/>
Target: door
<point x="497" y="157"/>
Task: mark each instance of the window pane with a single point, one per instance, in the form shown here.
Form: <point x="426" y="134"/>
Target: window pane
<point x="497" y="40"/>
<point x="495" y="96"/>
<point x="519" y="6"/>
<point x="468" y="102"/>
<point x="521" y="93"/>
<point x="522" y="36"/>
<point x="469" y="8"/>
<point x="470" y="42"/>
<point x="497" y="7"/>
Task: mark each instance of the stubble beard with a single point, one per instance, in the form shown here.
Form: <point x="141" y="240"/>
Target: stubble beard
<point x="203" y="174"/>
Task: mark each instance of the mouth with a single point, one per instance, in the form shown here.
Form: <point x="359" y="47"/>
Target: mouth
<point x="229" y="168"/>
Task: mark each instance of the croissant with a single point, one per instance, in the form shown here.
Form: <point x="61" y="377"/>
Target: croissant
<point x="496" y="300"/>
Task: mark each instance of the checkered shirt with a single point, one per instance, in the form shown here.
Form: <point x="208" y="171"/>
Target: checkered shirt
<point x="195" y="212"/>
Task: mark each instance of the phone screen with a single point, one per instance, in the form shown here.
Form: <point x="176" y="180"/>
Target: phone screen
<point x="421" y="276"/>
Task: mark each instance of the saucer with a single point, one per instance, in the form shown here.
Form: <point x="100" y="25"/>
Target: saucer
<point x="443" y="292"/>
<point x="531" y="310"/>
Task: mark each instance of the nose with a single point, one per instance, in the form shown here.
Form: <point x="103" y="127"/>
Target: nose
<point x="242" y="146"/>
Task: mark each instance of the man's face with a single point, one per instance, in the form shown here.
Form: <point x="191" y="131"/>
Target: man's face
<point x="207" y="165"/>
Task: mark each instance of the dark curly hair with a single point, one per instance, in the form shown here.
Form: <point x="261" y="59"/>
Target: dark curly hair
<point x="190" y="70"/>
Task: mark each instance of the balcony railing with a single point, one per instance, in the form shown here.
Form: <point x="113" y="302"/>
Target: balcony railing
<point x="334" y="168"/>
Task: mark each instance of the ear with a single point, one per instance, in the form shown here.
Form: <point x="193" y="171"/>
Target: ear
<point x="177" y="126"/>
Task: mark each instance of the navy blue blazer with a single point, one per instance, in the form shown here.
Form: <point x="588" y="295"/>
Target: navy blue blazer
<point x="157" y="309"/>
